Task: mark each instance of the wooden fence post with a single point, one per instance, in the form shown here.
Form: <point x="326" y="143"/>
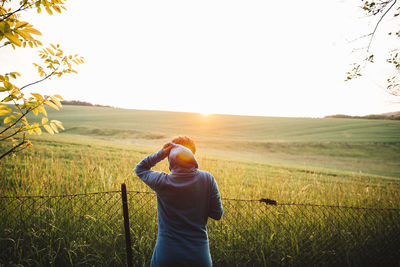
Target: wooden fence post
<point x="126" y="224"/>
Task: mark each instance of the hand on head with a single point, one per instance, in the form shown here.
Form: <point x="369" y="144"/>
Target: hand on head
<point x="180" y="140"/>
<point x="167" y="148"/>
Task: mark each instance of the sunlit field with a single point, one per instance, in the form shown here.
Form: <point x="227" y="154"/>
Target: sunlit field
<point x="69" y="165"/>
<point x="366" y="146"/>
<point x="291" y="160"/>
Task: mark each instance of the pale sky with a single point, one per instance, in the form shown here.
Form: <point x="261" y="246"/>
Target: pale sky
<point x="269" y="58"/>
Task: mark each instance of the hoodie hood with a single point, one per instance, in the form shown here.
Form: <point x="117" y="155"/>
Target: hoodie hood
<point x="181" y="159"/>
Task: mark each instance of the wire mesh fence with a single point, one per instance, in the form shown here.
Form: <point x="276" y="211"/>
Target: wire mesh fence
<point x="256" y="234"/>
<point x="62" y="230"/>
<point x="88" y="229"/>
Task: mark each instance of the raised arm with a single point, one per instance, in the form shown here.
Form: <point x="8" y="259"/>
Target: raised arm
<point x="143" y="170"/>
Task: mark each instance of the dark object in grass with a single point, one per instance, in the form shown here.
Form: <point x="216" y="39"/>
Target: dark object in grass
<point x="268" y="201"/>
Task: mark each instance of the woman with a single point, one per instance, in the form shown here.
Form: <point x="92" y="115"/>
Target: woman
<point x="185" y="199"/>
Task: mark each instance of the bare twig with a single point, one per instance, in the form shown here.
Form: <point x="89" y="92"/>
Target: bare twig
<point x="4" y="45"/>
<point x="358" y="49"/>
<point x="21" y="148"/>
<point x="14" y="148"/>
<point x="38" y="81"/>
<point x="14" y="123"/>
<point x="41" y="80"/>
<point x="360" y="37"/>
<point x="379" y="21"/>
<point x="11" y="135"/>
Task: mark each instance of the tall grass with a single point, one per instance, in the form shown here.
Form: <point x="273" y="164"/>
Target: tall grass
<point x="76" y="166"/>
<point x="86" y="230"/>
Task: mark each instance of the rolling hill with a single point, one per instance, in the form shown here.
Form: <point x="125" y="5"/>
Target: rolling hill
<point x="357" y="145"/>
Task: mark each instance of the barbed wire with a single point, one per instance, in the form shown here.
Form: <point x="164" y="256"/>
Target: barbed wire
<point x="60" y="196"/>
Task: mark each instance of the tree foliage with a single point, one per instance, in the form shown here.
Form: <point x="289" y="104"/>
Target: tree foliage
<point x="380" y="10"/>
<point x="15" y="103"/>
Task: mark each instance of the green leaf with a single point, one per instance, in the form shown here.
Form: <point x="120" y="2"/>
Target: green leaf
<point x="4" y="112"/>
<point x="49" y="10"/>
<point x="58" y="124"/>
<point x="13" y="39"/>
<point x="43" y="110"/>
<point x="54" y="127"/>
<point x="56" y="101"/>
<point x="4" y="27"/>
<point x="48" y="129"/>
<point x="59" y="97"/>
<point x="44" y="120"/>
<point x="38" y="131"/>
<point x="25" y="35"/>
<point x="38" y="97"/>
<point x="20" y="24"/>
<point x="7" y="85"/>
<point x="33" y="31"/>
<point x="56" y="8"/>
<point x="50" y="51"/>
<point x="7" y="120"/>
<point x="8" y="99"/>
<point x="51" y="104"/>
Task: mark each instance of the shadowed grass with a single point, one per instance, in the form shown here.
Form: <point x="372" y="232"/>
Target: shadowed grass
<point x="86" y="230"/>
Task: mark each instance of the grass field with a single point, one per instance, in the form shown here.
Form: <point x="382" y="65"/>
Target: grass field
<point x="344" y="162"/>
<point x="65" y="165"/>
<point x="238" y="149"/>
<point x="368" y="146"/>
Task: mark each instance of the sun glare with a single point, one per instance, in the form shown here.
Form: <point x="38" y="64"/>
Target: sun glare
<point x="205" y="114"/>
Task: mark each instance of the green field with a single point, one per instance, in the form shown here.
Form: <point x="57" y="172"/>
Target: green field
<point x="367" y="146"/>
<point x="249" y="156"/>
<point x="346" y="162"/>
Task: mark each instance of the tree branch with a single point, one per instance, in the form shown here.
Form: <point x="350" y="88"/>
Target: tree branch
<point x="359" y="38"/>
<point x="21" y="8"/>
<point x="29" y="109"/>
<point x="13" y="148"/>
<point x="41" y="80"/>
<point x="13" y="124"/>
<point x="16" y="105"/>
<point x="22" y="148"/>
<point x="23" y="115"/>
<point x="16" y="132"/>
<point x="379" y="21"/>
<point x="4" y="45"/>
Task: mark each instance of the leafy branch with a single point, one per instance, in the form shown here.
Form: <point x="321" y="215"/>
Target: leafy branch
<point x="15" y="107"/>
<point x="375" y="8"/>
<point x="23" y="7"/>
<point x="23" y="142"/>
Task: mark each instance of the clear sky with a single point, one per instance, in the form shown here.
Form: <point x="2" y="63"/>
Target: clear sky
<point x="270" y="58"/>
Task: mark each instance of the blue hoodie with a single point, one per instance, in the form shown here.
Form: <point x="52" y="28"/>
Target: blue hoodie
<point x="185" y="199"/>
